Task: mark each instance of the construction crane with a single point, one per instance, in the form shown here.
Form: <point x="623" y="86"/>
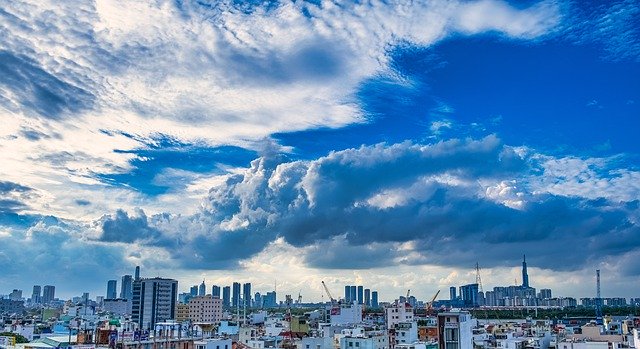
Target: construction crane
<point x="326" y="289"/>
<point x="429" y="306"/>
<point x="300" y="297"/>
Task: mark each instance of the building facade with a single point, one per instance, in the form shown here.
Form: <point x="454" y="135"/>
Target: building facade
<point x="154" y="300"/>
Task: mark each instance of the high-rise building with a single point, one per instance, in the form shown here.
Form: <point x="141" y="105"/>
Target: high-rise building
<point x="545" y="293"/>
<point x="194" y="290"/>
<point x="36" y="297"/>
<point x="257" y="300"/>
<point x="111" y="289"/>
<point x="48" y="294"/>
<point x="374" y="299"/>
<point x="246" y="294"/>
<point x="452" y="293"/>
<point x="360" y="295"/>
<point x="235" y="300"/>
<point x="154" y="300"/>
<point x="226" y="296"/>
<point x="202" y="290"/>
<point x="367" y="297"/>
<point x="126" y="288"/>
<point x="347" y="294"/>
<point x="469" y="294"/>
<point x="525" y="275"/>
<point x="354" y="294"/>
<point x="215" y="291"/>
<point x="137" y="273"/>
<point x="15" y="295"/>
<point x="269" y="300"/>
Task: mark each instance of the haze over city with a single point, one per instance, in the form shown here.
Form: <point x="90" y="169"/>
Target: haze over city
<point x="392" y="144"/>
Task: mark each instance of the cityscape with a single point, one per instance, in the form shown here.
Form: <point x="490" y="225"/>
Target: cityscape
<point x="319" y="174"/>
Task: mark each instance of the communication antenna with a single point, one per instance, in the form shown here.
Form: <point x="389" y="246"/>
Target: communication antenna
<point x="478" y="279"/>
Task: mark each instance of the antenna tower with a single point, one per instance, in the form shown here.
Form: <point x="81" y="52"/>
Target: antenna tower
<point x="478" y="280"/>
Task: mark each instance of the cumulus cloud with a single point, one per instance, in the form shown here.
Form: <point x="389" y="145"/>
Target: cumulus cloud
<point x="82" y="82"/>
<point x="443" y="204"/>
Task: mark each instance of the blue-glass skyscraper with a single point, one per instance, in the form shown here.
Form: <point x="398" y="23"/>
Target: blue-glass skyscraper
<point x="525" y="275"/>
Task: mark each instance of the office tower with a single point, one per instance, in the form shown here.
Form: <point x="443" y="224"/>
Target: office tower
<point x="374" y="299"/>
<point x="226" y="296"/>
<point x="111" y="289"/>
<point x="194" y="290"/>
<point x="203" y="289"/>
<point x="469" y="294"/>
<point x="48" y="294"/>
<point x="452" y="293"/>
<point x="154" y="300"/>
<point x="354" y="294"/>
<point x="137" y="273"/>
<point x="36" y="298"/>
<point x="85" y="298"/>
<point x="235" y="300"/>
<point x="347" y="294"/>
<point x="269" y="300"/>
<point x="367" y="297"/>
<point x="215" y="291"/>
<point x="246" y="294"/>
<point x="525" y="275"/>
<point x="126" y="288"/>
<point x="257" y="300"/>
<point x="545" y="293"/>
<point x="360" y="295"/>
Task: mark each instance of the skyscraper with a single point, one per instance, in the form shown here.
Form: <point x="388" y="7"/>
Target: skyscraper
<point x="360" y="295"/>
<point x="226" y="296"/>
<point x="215" y="291"/>
<point x="126" y="288"/>
<point x="347" y="294"/>
<point x="137" y="273"/>
<point x="452" y="293"/>
<point x="36" y="298"/>
<point x="354" y="294"/>
<point x="374" y="299"/>
<point x="193" y="291"/>
<point x="525" y="275"/>
<point x="111" y="289"/>
<point x="246" y="294"/>
<point x="235" y="300"/>
<point x="48" y="294"/>
<point x="154" y="300"/>
<point x="203" y="289"/>
<point x="469" y="294"/>
<point x="367" y="297"/>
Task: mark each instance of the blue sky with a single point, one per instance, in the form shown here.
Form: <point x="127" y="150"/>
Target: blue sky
<point x="373" y="142"/>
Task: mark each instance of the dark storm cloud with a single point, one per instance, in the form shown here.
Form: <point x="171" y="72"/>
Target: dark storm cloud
<point x="407" y="203"/>
<point x="122" y="227"/>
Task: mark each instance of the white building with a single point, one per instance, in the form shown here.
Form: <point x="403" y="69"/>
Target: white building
<point x="213" y="343"/>
<point x="455" y="330"/>
<point x="365" y="340"/>
<point x="406" y="333"/>
<point x="346" y="314"/>
<point x="398" y="312"/>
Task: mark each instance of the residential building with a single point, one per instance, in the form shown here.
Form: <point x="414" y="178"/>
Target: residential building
<point x="126" y="288"/>
<point x="398" y="312"/>
<point x="154" y="300"/>
<point x="215" y="291"/>
<point x="36" y="296"/>
<point x="117" y="306"/>
<point x="367" y="297"/>
<point x="455" y="330"/>
<point x="374" y="299"/>
<point x="235" y="300"/>
<point x="226" y="296"/>
<point x="205" y="309"/>
<point x="246" y="294"/>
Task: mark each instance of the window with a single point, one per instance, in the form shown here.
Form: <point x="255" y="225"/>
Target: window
<point x="357" y="344"/>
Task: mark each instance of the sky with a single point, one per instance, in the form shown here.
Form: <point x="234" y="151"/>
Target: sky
<point x="390" y="144"/>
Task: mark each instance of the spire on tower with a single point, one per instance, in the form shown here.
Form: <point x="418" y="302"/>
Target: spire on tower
<point x="525" y="274"/>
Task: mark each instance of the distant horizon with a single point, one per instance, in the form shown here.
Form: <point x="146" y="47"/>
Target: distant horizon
<point x="397" y="142"/>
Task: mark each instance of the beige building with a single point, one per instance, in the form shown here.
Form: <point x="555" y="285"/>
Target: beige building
<point x="182" y="312"/>
<point x="205" y="309"/>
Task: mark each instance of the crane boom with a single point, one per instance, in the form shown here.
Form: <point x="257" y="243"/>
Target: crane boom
<point x="326" y="289"/>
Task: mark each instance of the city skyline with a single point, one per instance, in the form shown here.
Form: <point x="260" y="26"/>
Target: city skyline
<point x="384" y="143"/>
